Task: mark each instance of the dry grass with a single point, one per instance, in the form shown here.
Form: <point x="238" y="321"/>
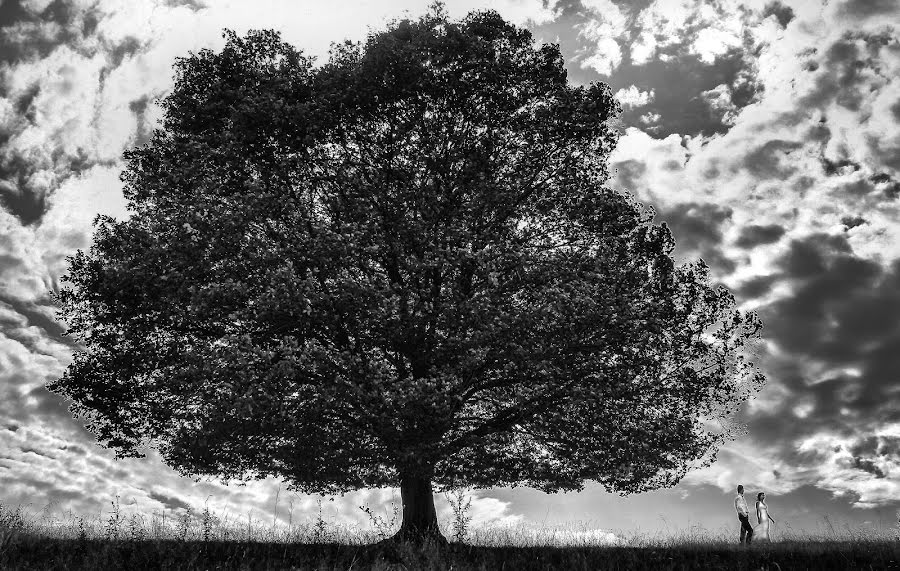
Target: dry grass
<point x="117" y="540"/>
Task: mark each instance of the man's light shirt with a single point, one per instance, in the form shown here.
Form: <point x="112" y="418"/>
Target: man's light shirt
<point x="740" y="504"/>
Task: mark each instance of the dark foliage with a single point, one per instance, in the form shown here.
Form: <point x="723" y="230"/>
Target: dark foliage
<point x="399" y="268"/>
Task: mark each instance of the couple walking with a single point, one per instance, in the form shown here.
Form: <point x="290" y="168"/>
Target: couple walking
<point x="762" y="515"/>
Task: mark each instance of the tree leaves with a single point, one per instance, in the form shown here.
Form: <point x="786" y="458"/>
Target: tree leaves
<point x="403" y="262"/>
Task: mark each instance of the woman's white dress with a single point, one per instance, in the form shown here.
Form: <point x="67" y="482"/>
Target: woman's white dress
<point x="763" y="514"/>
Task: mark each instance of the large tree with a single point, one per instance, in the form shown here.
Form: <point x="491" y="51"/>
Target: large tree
<point x="399" y="268"/>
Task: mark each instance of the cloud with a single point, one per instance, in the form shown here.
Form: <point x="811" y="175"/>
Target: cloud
<point x="754" y="235"/>
<point x="691" y="97"/>
<point x="697" y="229"/>
<point x="652" y="168"/>
<point x="68" y="223"/>
<point x="601" y="30"/>
<point x="676" y="50"/>
<point x="484" y="510"/>
<point x="765" y="134"/>
<point x="712" y="43"/>
<point x="78" y="81"/>
<point x="56" y="128"/>
<point x="79" y="73"/>
<point x="806" y="169"/>
<point x="781" y="13"/>
<point x="870" y="479"/>
<point x="863" y="9"/>
<point x="633" y="97"/>
<point x="655" y="171"/>
<point x="834" y="341"/>
<point x="708" y="31"/>
<point x="721" y="106"/>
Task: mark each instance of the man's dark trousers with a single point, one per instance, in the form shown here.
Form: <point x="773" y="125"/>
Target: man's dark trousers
<point x="745" y="529"/>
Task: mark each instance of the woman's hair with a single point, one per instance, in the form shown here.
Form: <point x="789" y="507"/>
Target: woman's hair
<point x="759" y="496"/>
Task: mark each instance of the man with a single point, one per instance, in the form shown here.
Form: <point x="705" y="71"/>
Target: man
<point x="740" y="504"/>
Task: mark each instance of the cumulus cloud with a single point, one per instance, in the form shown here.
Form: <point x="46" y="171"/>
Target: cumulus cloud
<point x="863" y="467"/>
<point x="601" y="31"/>
<point x="633" y="97"/>
<point x="712" y="43"/>
<point x="704" y="29"/>
<point x="833" y="343"/>
<point x="795" y="199"/>
<point x="483" y="509"/>
<point x="720" y="103"/>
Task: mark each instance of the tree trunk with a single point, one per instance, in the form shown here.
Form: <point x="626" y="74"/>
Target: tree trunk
<point x="419" y="516"/>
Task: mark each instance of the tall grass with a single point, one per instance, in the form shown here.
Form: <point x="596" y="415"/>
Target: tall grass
<point x="123" y="538"/>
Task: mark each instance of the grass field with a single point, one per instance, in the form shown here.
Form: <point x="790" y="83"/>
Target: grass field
<point x="205" y="542"/>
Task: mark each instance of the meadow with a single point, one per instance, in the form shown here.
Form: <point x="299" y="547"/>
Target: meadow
<point x="207" y="541"/>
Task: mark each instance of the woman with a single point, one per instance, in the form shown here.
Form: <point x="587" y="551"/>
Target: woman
<point x="762" y="515"/>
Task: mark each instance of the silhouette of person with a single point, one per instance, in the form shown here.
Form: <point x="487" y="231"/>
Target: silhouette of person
<point x="762" y="515"/>
<point x="740" y="505"/>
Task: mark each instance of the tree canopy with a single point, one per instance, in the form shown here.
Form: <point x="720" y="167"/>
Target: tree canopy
<point x="402" y="267"/>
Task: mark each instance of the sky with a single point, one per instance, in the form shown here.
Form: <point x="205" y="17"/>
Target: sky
<point x="766" y="134"/>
